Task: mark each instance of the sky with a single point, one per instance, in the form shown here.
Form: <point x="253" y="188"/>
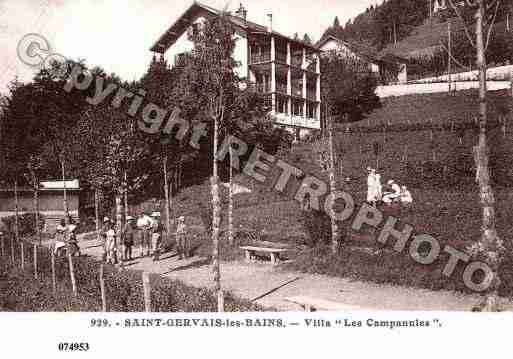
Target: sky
<point x="117" y="34"/>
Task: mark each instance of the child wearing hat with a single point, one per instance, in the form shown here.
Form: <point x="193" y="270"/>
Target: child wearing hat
<point x="128" y="238"/>
<point x="181" y="241"/>
<point x="156" y="235"/>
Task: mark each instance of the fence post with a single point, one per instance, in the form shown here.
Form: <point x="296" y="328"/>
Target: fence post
<point x="22" y="247"/>
<point x="146" y="291"/>
<point x="360" y="141"/>
<point x="35" y="261"/>
<point x="12" y="249"/>
<point x="54" y="279"/>
<point x="511" y="83"/>
<point x="72" y="273"/>
<point x="3" y="244"/>
<point x="102" y="289"/>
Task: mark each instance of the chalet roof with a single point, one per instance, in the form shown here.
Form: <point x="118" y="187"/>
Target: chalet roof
<point x="47" y="186"/>
<point x="179" y="27"/>
<point x="359" y="49"/>
<point x="70" y="184"/>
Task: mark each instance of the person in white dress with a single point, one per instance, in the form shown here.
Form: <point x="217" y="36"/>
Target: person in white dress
<point x="371" y="187"/>
<point x="406" y="197"/>
<point x="110" y="244"/>
<point x="379" y="187"/>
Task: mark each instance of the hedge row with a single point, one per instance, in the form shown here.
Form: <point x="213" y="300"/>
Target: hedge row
<point x="20" y="291"/>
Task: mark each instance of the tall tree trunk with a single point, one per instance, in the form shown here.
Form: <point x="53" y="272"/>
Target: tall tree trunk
<point x="65" y="198"/>
<point x="36" y="210"/>
<point x="333" y="185"/>
<point x="125" y="195"/>
<point x="395" y="33"/>
<point x="16" y="214"/>
<point x="166" y="192"/>
<point x="119" y="227"/>
<point x="230" y="202"/>
<point x="216" y="219"/>
<point x="35" y="184"/>
<point x="490" y="245"/>
<point x="72" y="274"/>
<point x="449" y="70"/>
<point x="171" y="207"/>
<point x="180" y="169"/>
<point x="97" y="212"/>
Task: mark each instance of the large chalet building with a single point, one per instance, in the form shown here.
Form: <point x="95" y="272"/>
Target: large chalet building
<point x="287" y="70"/>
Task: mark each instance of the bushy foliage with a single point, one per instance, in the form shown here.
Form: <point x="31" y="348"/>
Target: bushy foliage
<point x="317" y="224"/>
<point x="347" y="90"/>
<point x="123" y="288"/>
<point x="26" y="223"/>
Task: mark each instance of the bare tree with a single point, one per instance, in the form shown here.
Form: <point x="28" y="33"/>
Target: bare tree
<point x="490" y="246"/>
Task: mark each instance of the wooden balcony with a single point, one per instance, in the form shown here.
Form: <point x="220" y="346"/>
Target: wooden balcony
<point x="259" y="58"/>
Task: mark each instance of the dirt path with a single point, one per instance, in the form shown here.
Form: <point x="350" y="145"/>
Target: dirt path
<point x="268" y="285"/>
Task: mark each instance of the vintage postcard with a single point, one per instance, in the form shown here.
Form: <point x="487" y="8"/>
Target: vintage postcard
<point x="309" y="177"/>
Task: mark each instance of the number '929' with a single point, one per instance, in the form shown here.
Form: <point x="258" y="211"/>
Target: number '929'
<point x="73" y="347"/>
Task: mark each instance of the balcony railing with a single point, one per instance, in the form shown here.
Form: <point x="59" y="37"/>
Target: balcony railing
<point x="281" y="88"/>
<point x="281" y="57"/>
<point x="299" y="121"/>
<point x="264" y="57"/>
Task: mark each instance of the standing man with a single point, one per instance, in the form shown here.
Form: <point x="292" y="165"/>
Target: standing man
<point x="128" y="238"/>
<point x="144" y="224"/>
<point x="181" y="240"/>
<point x="156" y="235"/>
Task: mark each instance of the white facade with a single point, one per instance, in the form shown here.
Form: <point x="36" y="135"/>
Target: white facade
<point x="285" y="70"/>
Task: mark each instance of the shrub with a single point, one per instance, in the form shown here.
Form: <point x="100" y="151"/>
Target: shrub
<point x="123" y="288"/>
<point x="318" y="226"/>
<point x="26" y="223"/>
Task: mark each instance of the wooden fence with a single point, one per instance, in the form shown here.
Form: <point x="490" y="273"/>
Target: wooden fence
<point x="27" y="255"/>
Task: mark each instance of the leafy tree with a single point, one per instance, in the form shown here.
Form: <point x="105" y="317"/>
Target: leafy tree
<point x="348" y="94"/>
<point x="206" y="89"/>
<point x="208" y="92"/>
<point x="336" y="22"/>
<point x="348" y="86"/>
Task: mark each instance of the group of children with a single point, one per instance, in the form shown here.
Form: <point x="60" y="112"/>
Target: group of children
<point x="66" y="238"/>
<point x="147" y="230"/>
<point x="391" y="193"/>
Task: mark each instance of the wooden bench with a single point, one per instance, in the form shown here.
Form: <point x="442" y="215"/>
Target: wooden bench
<point x="311" y="304"/>
<point x="274" y="252"/>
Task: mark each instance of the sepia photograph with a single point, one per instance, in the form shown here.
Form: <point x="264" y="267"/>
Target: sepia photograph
<point x="259" y="167"/>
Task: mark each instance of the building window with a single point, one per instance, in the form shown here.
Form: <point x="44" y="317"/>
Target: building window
<point x="311" y="108"/>
<point x="281" y="104"/>
<point x="297" y="108"/>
